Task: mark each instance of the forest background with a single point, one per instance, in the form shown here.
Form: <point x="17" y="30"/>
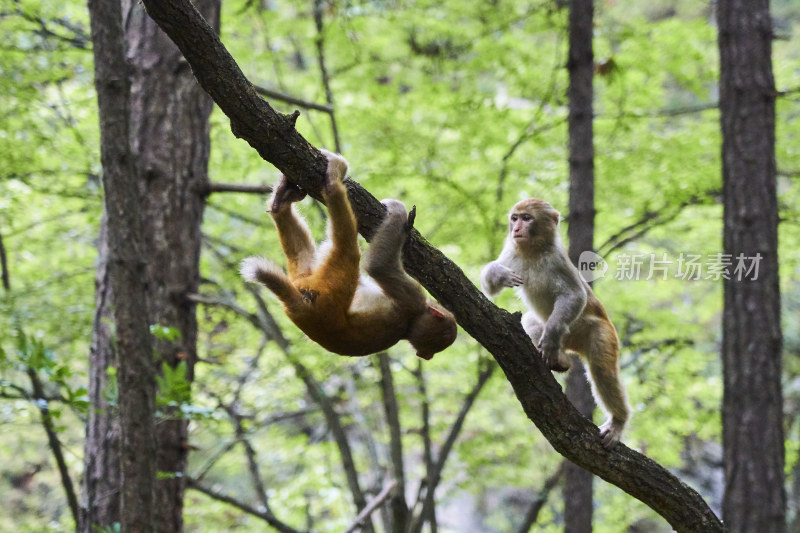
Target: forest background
<point x="460" y="110"/>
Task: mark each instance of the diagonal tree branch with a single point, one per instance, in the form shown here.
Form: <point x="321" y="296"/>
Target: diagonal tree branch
<point x="266" y="516"/>
<point x="55" y="443"/>
<point x="274" y="137"/>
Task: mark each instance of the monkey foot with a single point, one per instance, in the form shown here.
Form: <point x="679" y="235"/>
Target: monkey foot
<point x="285" y="193"/>
<point x="396" y="210"/>
<point x="337" y="169"/>
<point x="558" y="366"/>
<point x="610" y="433"/>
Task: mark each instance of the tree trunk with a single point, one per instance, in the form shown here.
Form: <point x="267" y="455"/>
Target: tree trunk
<point x="577" y="490"/>
<point x="170" y="134"/>
<point x="755" y="498"/>
<point x="102" y="476"/>
<point x="127" y="276"/>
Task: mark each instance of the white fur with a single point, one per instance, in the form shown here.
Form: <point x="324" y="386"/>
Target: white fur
<point x="252" y="266"/>
<point x="369" y="296"/>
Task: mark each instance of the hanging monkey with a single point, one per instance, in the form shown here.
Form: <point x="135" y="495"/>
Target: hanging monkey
<point x="563" y="312"/>
<point x="325" y="294"/>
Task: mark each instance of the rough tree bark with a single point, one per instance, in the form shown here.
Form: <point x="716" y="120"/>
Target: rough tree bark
<point x="752" y="405"/>
<point x="126" y="271"/>
<point x="577" y="490"/>
<point x="274" y="137"/>
<point x="102" y="477"/>
<point x="170" y="137"/>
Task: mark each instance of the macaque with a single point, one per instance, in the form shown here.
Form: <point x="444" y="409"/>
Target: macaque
<point x="326" y="295"/>
<point x="563" y="312"/>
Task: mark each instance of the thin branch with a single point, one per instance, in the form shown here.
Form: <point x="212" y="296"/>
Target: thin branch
<point x="55" y="444"/>
<point x="211" y="461"/>
<point x="326" y="82"/>
<point x="79" y="40"/>
<point x="238" y="187"/>
<point x="668" y="112"/>
<point x="427" y="453"/>
<point x="433" y="478"/>
<point x="370" y="508"/>
<point x="4" y="266"/>
<point x="399" y="506"/>
<point x="266" y="516"/>
<point x="532" y="515"/>
<point x="289" y="99"/>
<point x="649" y="220"/>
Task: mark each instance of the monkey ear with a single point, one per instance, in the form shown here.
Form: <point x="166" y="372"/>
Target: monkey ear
<point x="435" y="312"/>
<point x="556" y="215"/>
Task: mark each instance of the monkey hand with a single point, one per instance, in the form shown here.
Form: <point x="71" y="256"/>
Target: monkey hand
<point x="503" y="276"/>
<point x="284" y="194"/>
<point x="550" y="346"/>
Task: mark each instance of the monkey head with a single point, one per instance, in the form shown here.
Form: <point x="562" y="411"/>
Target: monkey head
<point x="432" y="330"/>
<point x="532" y="224"/>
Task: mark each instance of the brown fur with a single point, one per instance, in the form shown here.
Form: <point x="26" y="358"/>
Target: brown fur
<point x="326" y="296"/>
<point x="563" y="312"/>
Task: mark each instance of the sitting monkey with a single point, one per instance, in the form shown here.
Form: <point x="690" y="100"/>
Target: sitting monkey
<point x="563" y="312"/>
<point x="326" y="295"/>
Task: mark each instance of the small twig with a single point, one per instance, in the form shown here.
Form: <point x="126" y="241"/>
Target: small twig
<point x="371" y="506"/>
<point x="289" y="99"/>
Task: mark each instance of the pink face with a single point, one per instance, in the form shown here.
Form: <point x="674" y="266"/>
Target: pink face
<point x="520" y="225"/>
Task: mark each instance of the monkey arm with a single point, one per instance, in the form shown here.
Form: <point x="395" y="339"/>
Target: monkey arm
<point x="496" y="276"/>
<point x="566" y="310"/>
<point x="383" y="262"/>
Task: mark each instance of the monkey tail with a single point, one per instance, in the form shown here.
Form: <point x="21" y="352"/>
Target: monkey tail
<point x="264" y="271"/>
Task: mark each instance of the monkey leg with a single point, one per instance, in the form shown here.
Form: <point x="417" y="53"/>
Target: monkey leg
<point x="383" y="259"/>
<point x="293" y="233"/>
<point x="340" y="270"/>
<point x="534" y="327"/>
<point x="603" y="362"/>
<point x="261" y="270"/>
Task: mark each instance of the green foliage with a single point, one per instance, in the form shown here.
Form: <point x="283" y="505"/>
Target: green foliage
<point x="457" y="108"/>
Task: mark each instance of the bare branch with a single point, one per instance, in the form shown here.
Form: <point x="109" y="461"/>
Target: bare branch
<point x="266" y="516"/>
<point x="536" y="506"/>
<point x="4" y="266"/>
<point x="370" y="508"/>
<point x="326" y="82"/>
<point x="289" y="99"/>
<point x="434" y="476"/>
<point x="55" y="444"/>
<point x="392" y="411"/>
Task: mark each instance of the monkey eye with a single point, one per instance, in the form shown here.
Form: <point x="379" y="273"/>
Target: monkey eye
<point x="527" y="218"/>
<point x="513" y="218"/>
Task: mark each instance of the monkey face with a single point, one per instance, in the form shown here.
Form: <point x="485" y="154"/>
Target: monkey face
<point x="520" y="225"/>
<point x="432" y="331"/>
<point x="532" y="222"/>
